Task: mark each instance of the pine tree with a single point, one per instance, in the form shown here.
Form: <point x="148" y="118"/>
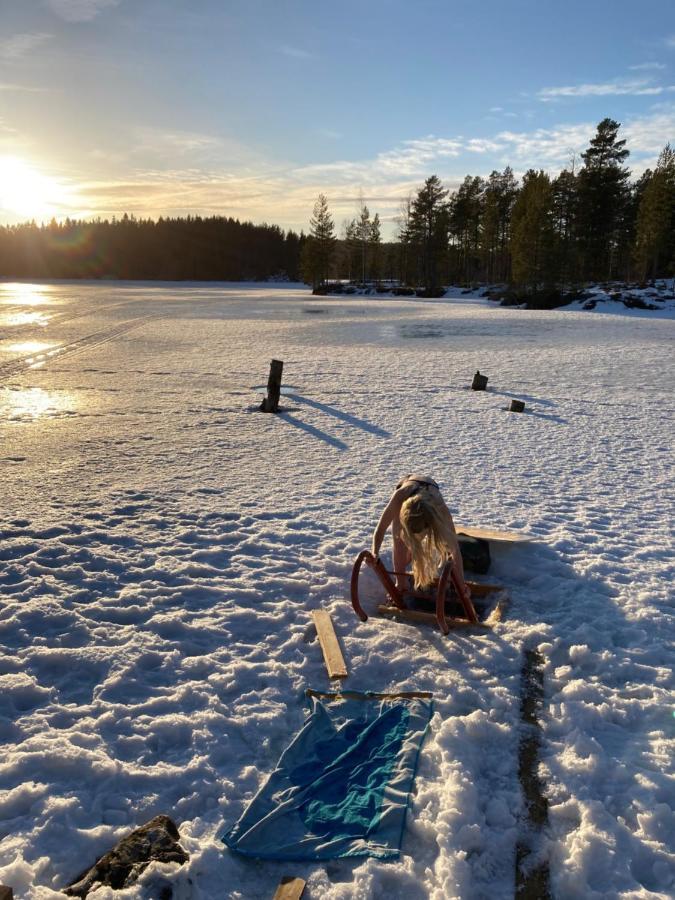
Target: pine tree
<point x="363" y="237"/>
<point x="564" y="214"/>
<point x="489" y="232"/>
<point x="375" y="241"/>
<point x="655" y="231"/>
<point x="350" y="256"/>
<point x="404" y="240"/>
<point x="319" y="248"/>
<point x="429" y="231"/>
<point x="532" y="233"/>
<point x="495" y="224"/>
<point x="603" y="203"/>
<point x="465" y="214"/>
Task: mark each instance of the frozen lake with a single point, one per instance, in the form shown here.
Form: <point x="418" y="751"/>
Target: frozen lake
<point x="163" y="545"/>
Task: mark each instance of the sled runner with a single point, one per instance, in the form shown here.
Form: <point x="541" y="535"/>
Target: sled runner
<point x="452" y="609"/>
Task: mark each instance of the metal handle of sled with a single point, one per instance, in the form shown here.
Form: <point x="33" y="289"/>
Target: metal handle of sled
<point x="396" y="595"/>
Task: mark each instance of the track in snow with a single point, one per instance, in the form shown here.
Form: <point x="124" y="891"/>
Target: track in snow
<point x="96" y="339"/>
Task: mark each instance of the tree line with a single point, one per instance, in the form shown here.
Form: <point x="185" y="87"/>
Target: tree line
<point x="191" y="248"/>
<point x="546" y="234"/>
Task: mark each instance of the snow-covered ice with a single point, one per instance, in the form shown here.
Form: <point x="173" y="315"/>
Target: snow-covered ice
<point x="163" y="545"/>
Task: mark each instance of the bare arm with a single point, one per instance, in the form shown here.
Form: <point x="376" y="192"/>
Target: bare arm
<point x="391" y="511"/>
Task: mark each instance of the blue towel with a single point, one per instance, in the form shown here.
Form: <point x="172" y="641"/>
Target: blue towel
<point x="341" y="788"/>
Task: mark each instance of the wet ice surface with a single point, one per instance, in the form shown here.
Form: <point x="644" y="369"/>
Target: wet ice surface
<point x="163" y="545"/>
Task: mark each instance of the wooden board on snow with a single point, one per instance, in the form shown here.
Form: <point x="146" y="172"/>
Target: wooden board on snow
<point x="290" y="889"/>
<point x="491" y="534"/>
<point x="329" y="644"/>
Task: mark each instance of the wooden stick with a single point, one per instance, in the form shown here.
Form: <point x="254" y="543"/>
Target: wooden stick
<point x="289" y="888"/>
<point x="329" y="644"/>
<point x="416" y="615"/>
<point x="369" y="695"/>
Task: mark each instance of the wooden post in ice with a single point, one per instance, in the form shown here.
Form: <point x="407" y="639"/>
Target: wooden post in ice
<point x="517" y="406"/>
<point x="479" y="382"/>
<point x="6" y="893"/>
<point x="271" y="401"/>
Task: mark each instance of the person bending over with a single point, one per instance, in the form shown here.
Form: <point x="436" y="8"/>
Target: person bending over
<point x="422" y="531"/>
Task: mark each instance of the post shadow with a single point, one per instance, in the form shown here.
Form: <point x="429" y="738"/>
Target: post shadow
<point x="342" y="416"/>
<point x="313" y="431"/>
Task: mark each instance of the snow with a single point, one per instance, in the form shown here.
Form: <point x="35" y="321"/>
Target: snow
<point x="163" y="545"/>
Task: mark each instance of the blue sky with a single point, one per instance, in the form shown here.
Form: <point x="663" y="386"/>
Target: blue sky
<point x="251" y="108"/>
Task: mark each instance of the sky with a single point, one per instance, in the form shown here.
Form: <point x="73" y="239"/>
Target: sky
<point x="251" y="108"/>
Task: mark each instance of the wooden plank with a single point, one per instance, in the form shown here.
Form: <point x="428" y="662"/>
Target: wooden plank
<point x="416" y="615"/>
<point x="329" y="644"/>
<point x="289" y="888"/>
<point x="492" y="534"/>
<point x="6" y="893"/>
<point x="481" y="590"/>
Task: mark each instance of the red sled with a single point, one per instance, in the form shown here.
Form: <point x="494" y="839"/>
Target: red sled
<point x="446" y="590"/>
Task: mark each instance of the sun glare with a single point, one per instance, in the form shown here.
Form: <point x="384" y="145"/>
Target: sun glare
<point x="20" y="294"/>
<point x="34" y="403"/>
<point x="26" y="192"/>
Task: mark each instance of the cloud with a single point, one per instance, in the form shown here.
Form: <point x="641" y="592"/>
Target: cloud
<point x="482" y="145"/>
<point x="670" y="41"/>
<point x="330" y="133"/>
<point x="648" y="65"/>
<point x="150" y="148"/>
<point x="647" y="136"/>
<point x="175" y="173"/>
<point x="181" y="142"/>
<point x="295" y="52"/>
<point x="79" y="10"/>
<point x="545" y="147"/>
<point x="20" y="45"/>
<point x="285" y="198"/>
<point x="635" y="87"/>
<point x="26" y="88"/>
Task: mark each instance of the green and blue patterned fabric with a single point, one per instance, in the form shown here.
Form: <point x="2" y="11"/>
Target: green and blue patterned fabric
<point x="342" y="786"/>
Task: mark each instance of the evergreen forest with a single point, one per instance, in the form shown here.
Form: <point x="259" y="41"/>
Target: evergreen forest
<point x="545" y="234"/>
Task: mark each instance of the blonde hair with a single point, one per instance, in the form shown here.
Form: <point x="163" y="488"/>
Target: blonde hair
<point x="425" y="529"/>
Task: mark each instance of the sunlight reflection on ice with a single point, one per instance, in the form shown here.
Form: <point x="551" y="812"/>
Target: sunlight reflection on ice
<point x="30" y="347"/>
<point x="35" y="403"/>
<point x="25" y="294"/>
<point x="24" y="318"/>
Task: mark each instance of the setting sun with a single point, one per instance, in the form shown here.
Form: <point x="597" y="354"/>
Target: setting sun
<point x="26" y="192"/>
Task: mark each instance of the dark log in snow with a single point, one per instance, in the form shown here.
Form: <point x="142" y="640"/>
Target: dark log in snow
<point x="479" y="382"/>
<point x="271" y="401"/>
